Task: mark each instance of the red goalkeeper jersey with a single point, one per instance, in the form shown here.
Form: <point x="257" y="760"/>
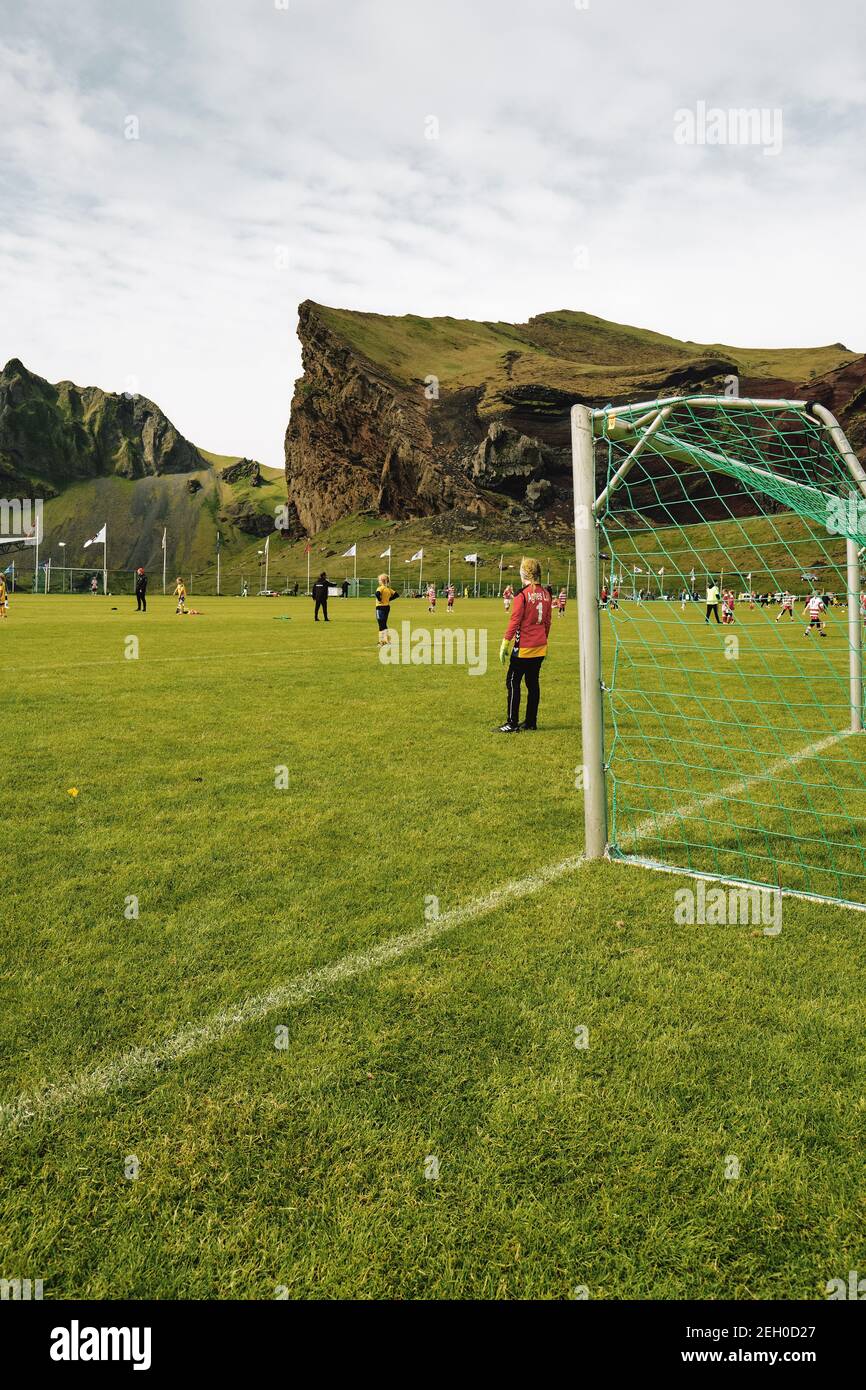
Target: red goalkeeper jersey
<point x="529" y="621"/>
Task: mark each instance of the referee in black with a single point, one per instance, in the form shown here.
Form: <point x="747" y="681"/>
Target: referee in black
<point x="320" y="594"/>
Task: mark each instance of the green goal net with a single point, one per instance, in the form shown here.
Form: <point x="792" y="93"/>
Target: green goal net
<point x="728" y="534"/>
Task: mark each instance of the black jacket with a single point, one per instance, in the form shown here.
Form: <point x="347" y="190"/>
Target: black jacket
<point x="320" y="589"/>
<point x="140" y="583"/>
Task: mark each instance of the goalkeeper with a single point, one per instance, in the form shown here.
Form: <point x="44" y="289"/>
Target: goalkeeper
<point x="525" y="646"/>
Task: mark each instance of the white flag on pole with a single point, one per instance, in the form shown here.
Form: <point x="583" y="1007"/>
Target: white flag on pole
<point x="386" y="554"/>
<point x="98" y="539"/>
<point x="353" y="550"/>
<point x="419" y="555"/>
<point x="471" y="559"/>
<point x="163" y="537"/>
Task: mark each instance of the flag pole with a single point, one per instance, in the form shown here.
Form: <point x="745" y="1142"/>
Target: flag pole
<point x="449" y="568"/>
<point x="420" y="570"/>
<point x="267" y="559"/>
<point x="163" y="559"/>
<point x="105" y="561"/>
<point x="309" y="548"/>
<point x="355" y="583"/>
<point x="568" y="580"/>
<point x="218" y="564"/>
<point x="499" y="590"/>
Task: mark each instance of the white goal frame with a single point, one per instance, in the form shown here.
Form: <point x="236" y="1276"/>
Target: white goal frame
<point x="588" y="425"/>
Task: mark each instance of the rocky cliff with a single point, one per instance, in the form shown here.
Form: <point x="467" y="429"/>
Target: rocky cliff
<point x="410" y="417"/>
<point x="99" y="458"/>
<point x="360" y="439"/>
<point x="52" y="434"/>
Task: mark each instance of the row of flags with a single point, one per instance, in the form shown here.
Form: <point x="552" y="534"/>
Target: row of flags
<point x="386" y="554"/>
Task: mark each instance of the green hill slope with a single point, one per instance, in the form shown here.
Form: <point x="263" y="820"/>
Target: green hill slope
<point x="566" y="350"/>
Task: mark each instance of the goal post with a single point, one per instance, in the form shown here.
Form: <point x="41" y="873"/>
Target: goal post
<point x="727" y="724"/>
<point x="586" y="580"/>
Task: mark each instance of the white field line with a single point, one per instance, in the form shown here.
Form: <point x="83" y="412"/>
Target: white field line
<point x="140" y="1063"/>
<point x="703" y="803"/>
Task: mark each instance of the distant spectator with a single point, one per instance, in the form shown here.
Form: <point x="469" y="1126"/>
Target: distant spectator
<point x="345" y="588"/>
<point x="140" y="591"/>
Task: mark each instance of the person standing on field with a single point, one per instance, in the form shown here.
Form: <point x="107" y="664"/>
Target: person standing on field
<point x="525" y="645"/>
<point x="180" y="595"/>
<point x="140" y="591"/>
<point x="4" y="597"/>
<point x="712" y="601"/>
<point x="385" y="596"/>
<point x="320" y="595"/>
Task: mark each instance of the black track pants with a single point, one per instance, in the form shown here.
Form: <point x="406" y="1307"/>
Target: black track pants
<point x="323" y="604"/>
<point x="526" y="668"/>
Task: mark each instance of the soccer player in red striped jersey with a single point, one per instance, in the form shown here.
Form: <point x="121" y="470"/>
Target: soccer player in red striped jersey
<point x="525" y="644"/>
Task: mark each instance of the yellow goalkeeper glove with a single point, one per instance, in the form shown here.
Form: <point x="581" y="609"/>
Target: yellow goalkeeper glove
<point x="504" y="651"/>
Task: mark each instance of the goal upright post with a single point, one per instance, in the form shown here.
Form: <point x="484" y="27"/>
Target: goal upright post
<point x="855" y="635"/>
<point x="586" y="581"/>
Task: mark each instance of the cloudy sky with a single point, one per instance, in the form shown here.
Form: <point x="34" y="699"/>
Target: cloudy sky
<point x="486" y="159"/>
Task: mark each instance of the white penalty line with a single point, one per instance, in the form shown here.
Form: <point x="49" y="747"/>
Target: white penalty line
<point x="141" y="1063"/>
<point x="699" y="803"/>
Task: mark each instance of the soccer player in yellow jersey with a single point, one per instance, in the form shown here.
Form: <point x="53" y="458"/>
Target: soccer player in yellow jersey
<point x="4" y="597"/>
<point x="180" y="593"/>
<point x="385" y="596"/>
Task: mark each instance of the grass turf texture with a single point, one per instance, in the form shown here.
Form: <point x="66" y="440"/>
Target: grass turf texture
<point x="303" y="1168"/>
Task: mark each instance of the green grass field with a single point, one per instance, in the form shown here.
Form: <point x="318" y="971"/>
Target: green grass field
<point x="147" y="1044"/>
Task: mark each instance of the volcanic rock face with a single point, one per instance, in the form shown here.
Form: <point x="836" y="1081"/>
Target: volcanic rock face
<point x="411" y="417"/>
<point x="63" y="432"/>
<point x="245" y="470"/>
<point x="507" y="457"/>
<point x="246" y="518"/>
<point x="359" y="440"/>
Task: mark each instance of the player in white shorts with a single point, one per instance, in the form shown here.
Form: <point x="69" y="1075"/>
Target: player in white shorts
<point x="815" y="609"/>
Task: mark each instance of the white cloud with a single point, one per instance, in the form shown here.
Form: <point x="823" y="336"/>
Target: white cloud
<point x="305" y="129"/>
